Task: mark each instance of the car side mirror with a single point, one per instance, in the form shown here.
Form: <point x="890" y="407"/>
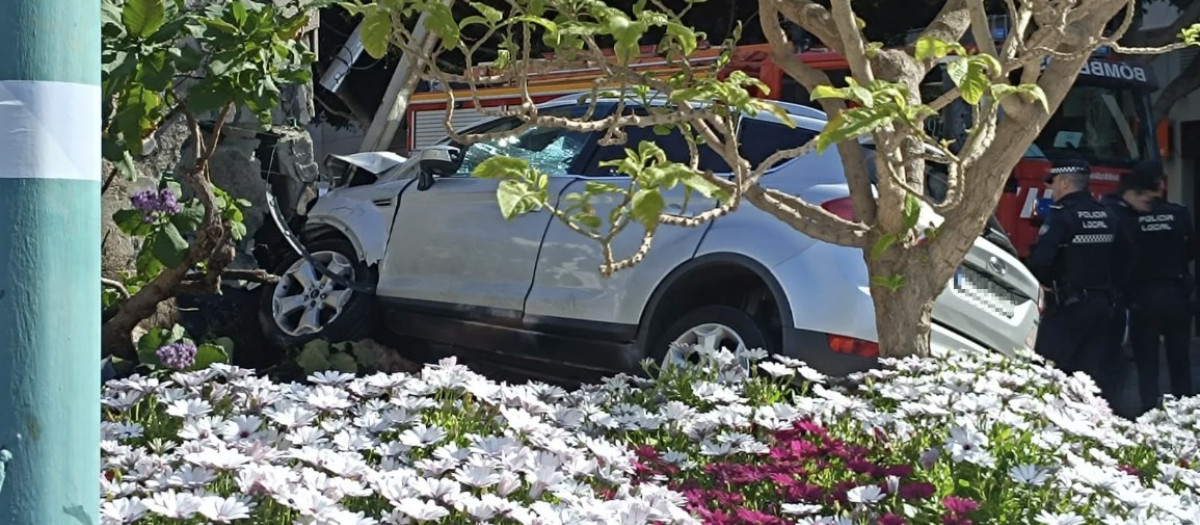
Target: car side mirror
<point x="437" y="161"/>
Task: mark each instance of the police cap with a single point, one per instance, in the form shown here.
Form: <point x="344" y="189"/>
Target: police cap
<point x="1065" y="165"/>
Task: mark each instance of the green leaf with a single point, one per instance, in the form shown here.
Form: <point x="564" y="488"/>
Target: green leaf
<point x="927" y="48"/>
<point x="178" y="333"/>
<point x="239" y="12"/>
<point x="588" y="220"/>
<point x="237" y="230"/>
<point x="774" y="109"/>
<point x="957" y="70"/>
<point x="912" y="211"/>
<point x="207" y="95"/>
<point x="314" y="357"/>
<point x="225" y="343"/>
<point x="514" y="198"/>
<point x="862" y="95"/>
<point x="343" y="362"/>
<point x="376" y="33"/>
<point x="189" y="218"/>
<point x="599" y="188"/>
<point x="647" y="205"/>
<point x="169" y="246"/>
<point x="491" y="14"/>
<point x="130" y="223"/>
<point x="883" y="244"/>
<point x="440" y="21"/>
<point x="827" y="91"/>
<point x="149" y="343"/>
<point x="890" y="282"/>
<point x="143" y="17"/>
<point x="501" y="167"/>
<point x="209" y="354"/>
<point x="851" y="124"/>
<point x="696" y="182"/>
<point x="975" y="83"/>
<point x="685" y="35"/>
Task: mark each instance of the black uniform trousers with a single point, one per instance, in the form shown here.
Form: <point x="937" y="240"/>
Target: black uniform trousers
<point x="1163" y="315"/>
<point x="1078" y="338"/>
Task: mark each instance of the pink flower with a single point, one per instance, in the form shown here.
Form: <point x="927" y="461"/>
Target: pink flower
<point x="960" y="506"/>
<point x="917" y="490"/>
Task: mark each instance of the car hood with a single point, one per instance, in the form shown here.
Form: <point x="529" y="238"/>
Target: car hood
<point x="375" y="162"/>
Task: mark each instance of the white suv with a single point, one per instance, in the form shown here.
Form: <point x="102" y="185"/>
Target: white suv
<point x="433" y="258"/>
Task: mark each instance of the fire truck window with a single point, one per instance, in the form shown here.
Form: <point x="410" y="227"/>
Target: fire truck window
<point x="1100" y="123"/>
<point x="674" y="145"/>
<point x="760" y="139"/>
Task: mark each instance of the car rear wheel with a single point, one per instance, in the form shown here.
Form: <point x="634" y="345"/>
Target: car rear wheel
<point x="710" y="328"/>
<point x="306" y="305"/>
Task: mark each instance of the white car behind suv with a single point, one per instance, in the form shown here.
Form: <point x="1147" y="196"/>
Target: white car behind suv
<point x="430" y="256"/>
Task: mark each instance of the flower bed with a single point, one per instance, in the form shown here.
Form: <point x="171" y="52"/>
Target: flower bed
<point x="953" y="439"/>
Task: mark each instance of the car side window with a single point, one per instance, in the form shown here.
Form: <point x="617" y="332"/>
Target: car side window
<point x="548" y="150"/>
<point x="759" y="139"/>
<point x="674" y="145"/>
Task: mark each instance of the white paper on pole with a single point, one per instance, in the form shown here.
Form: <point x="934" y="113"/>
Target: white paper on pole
<point x="49" y="130"/>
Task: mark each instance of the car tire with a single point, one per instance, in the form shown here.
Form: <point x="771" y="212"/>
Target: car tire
<point x="340" y="318"/>
<point x="725" y="326"/>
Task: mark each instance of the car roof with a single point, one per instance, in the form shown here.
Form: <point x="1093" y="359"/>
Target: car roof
<point x="804" y="116"/>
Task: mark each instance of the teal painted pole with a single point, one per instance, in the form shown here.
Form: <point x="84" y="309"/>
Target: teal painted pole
<point x="50" y="262"/>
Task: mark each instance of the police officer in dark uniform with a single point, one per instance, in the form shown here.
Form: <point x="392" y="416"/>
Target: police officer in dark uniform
<point x="1134" y="196"/>
<point x="1160" y="299"/>
<point x="1077" y="259"/>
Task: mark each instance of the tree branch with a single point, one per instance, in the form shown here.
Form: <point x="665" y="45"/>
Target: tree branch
<point x="853" y="161"/>
<point x="949" y="25"/>
<point x="852" y="41"/>
<point x="116" y="285"/>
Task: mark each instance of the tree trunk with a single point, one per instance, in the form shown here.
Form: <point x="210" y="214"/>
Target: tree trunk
<point x="904" y="315"/>
<point x="903" y="319"/>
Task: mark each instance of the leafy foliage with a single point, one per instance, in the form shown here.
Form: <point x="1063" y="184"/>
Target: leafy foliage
<point x="346" y="357"/>
<point x="207" y="354"/>
<point x="167" y="58"/>
<point x="159" y="57"/>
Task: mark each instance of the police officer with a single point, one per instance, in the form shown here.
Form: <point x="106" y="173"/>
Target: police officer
<point x="1160" y="300"/>
<point x="1077" y="259"/>
<point x="1134" y="196"/>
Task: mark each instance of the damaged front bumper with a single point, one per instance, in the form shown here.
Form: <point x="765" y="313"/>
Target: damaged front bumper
<point x="296" y="245"/>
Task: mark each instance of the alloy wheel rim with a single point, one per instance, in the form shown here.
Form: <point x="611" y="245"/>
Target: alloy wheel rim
<point x="305" y="301"/>
<point x="707" y="338"/>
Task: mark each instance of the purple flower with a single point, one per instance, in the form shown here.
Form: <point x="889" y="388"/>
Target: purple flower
<point x="145" y="200"/>
<point x="151" y="203"/>
<point x="917" y="490"/>
<point x="168" y="203"/>
<point x="891" y="519"/>
<point x="179" y="355"/>
<point x="960" y="506"/>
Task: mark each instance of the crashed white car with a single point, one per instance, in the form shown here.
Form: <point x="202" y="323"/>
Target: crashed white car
<point x="418" y="246"/>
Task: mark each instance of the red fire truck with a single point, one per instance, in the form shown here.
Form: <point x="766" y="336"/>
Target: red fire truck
<point x="1105" y="118"/>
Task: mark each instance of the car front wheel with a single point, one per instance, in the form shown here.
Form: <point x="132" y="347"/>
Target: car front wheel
<point x="306" y="305"/>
